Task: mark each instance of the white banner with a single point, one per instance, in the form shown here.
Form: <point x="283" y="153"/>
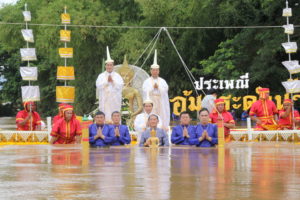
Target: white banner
<point x="30" y="93"/>
<point x="292" y="86"/>
<point x="27" y="35"/>
<point x="29" y="73"/>
<point x="293" y="66"/>
<point x="27" y="16"/>
<point x="28" y="54"/>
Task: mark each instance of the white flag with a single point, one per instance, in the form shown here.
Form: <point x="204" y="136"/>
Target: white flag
<point x="27" y="35"/>
<point x="287" y="12"/>
<point x="29" y="73"/>
<point x="293" y="66"/>
<point x="28" y="54"/>
<point x="292" y="86"/>
<point x="30" y="93"/>
<point x="27" y="16"/>
<point x="290" y="47"/>
<point x="288" y="29"/>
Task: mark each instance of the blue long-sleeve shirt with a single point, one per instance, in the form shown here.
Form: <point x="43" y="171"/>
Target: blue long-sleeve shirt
<point x="124" y="136"/>
<point x="212" y="131"/>
<point x="160" y="133"/>
<point x="108" y="132"/>
<point x="177" y="135"/>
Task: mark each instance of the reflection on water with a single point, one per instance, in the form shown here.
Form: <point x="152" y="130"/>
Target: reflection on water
<point x="240" y="171"/>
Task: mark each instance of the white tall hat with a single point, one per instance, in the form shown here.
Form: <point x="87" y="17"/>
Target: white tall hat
<point x="155" y="65"/>
<point x="148" y="100"/>
<point x="108" y="60"/>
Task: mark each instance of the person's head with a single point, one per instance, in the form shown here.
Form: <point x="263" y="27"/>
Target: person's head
<point x="148" y="106"/>
<point x="99" y="118"/>
<point x="68" y="112"/>
<point x="264" y="93"/>
<point x="116" y="117"/>
<point x="185" y="118"/>
<point x="212" y="91"/>
<point x="61" y="107"/>
<point x="220" y="105"/>
<point x="29" y="106"/>
<point x="153" y="120"/>
<point x="287" y="103"/>
<point x="109" y="66"/>
<point x="154" y="72"/>
<point x="204" y="116"/>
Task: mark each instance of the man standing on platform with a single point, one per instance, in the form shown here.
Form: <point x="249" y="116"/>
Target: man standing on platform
<point x="141" y="120"/>
<point x="160" y="133"/>
<point x="28" y="119"/>
<point x="264" y="111"/>
<point x="220" y="113"/>
<point x="101" y="134"/>
<point x="122" y="135"/>
<point x="286" y="118"/>
<point x="156" y="89"/>
<point x="110" y="85"/>
<point x="181" y="134"/>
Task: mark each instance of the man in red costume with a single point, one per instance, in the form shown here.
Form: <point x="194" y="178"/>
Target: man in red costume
<point x="286" y="115"/>
<point x="264" y="111"/>
<point x="219" y="112"/>
<point x="28" y="119"/>
<point x="66" y="130"/>
<point x="60" y="113"/>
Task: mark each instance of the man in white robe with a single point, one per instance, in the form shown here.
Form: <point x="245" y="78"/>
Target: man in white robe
<point x="141" y="120"/>
<point x="110" y="85"/>
<point x="156" y="89"/>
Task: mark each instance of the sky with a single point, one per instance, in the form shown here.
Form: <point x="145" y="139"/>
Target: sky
<point x="7" y="2"/>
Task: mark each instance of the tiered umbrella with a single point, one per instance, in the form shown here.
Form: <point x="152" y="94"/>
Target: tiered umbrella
<point x="65" y="94"/>
<point x="29" y="73"/>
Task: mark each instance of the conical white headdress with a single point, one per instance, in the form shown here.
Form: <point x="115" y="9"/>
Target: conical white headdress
<point x="108" y="60"/>
<point x="155" y="65"/>
<point x="148" y="100"/>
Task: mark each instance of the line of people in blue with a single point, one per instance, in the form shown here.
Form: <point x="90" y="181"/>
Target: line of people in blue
<point x="203" y="134"/>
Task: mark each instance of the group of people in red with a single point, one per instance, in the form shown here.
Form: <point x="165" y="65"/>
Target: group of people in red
<point x="66" y="128"/>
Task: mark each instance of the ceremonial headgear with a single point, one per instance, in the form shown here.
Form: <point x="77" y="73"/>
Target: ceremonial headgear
<point x="108" y="60"/>
<point x="155" y="65"/>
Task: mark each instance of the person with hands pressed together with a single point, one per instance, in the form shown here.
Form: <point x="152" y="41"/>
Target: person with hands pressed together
<point x="160" y="133"/>
<point x="206" y="133"/>
<point x="182" y="133"/>
<point x="101" y="134"/>
<point x="122" y="135"/>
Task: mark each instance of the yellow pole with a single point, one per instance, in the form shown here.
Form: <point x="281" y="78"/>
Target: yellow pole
<point x="85" y="145"/>
<point x="221" y="137"/>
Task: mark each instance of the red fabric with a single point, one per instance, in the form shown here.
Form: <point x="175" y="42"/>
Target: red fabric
<point x="35" y="120"/>
<point x="287" y="122"/>
<point x="265" y="111"/>
<point x="219" y="101"/>
<point x="56" y="118"/>
<point x="66" y="131"/>
<point x="227" y="117"/>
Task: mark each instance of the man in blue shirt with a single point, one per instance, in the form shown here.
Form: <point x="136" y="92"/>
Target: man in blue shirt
<point x="206" y="133"/>
<point x="101" y="134"/>
<point x="181" y="133"/>
<point x="122" y="135"/>
<point x="160" y="133"/>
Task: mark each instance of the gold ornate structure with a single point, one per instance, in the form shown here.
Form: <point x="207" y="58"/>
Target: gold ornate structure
<point x="130" y="93"/>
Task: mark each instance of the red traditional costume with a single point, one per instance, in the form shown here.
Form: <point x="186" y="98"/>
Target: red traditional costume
<point x="287" y="122"/>
<point x="264" y="109"/>
<point x="32" y="123"/>
<point x="66" y="131"/>
<point x="227" y="117"/>
<point x="60" y="113"/>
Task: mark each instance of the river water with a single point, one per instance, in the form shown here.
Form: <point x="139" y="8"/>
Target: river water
<point x="265" y="170"/>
